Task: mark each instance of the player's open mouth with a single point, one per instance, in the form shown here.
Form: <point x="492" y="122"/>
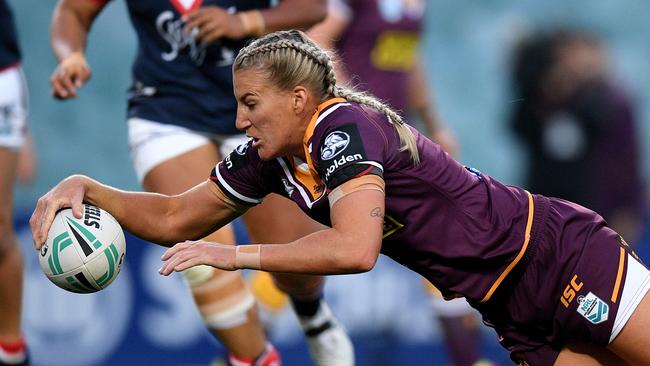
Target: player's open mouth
<point x="256" y="142"/>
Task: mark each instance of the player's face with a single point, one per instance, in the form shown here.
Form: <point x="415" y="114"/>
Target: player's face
<point x="267" y="115"/>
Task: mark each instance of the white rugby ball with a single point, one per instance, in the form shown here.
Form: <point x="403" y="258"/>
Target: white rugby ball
<point x="83" y="255"/>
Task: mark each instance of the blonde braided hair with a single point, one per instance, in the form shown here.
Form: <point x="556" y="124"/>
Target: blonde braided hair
<point x="290" y="58"/>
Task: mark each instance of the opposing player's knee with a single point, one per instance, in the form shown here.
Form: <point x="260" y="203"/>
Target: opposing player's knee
<point x="222" y="297"/>
<point x="7" y="236"/>
<point x="299" y="286"/>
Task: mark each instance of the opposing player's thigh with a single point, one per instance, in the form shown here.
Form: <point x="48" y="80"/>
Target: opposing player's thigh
<point x="633" y="342"/>
<point x="182" y="172"/>
<point x="278" y="220"/>
<point x="8" y="166"/>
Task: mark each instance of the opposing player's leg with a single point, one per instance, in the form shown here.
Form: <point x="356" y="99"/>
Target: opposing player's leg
<point x="278" y="220"/>
<point x="460" y="327"/>
<point x="11" y="267"/>
<point x="225" y="304"/>
<point x="12" y="126"/>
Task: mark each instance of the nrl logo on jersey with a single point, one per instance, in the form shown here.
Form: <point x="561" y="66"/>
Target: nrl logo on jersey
<point x="593" y="308"/>
<point x="334" y="143"/>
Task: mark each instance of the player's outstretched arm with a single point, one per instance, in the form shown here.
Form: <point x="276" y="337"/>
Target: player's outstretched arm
<point x="158" y="218"/>
<point x="352" y="245"/>
<point x="71" y="23"/>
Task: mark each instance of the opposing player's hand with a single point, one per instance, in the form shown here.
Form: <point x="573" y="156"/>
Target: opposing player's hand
<point x="193" y="253"/>
<point x="69" y="193"/>
<point x="70" y="75"/>
<point x="210" y="23"/>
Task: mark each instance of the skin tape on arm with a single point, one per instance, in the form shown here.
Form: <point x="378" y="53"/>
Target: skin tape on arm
<point x="248" y="256"/>
<point x="366" y="182"/>
<point x="253" y="22"/>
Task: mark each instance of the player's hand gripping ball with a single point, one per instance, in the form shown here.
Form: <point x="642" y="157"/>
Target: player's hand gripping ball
<point x="83" y="255"/>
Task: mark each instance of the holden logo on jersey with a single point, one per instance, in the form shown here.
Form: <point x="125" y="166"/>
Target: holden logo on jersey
<point x="344" y="159"/>
<point x="334" y="143"/>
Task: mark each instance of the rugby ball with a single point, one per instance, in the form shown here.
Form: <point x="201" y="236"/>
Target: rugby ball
<point x="83" y="255"/>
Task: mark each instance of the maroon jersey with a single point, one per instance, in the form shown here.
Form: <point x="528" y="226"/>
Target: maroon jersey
<point x="380" y="45"/>
<point x="460" y="229"/>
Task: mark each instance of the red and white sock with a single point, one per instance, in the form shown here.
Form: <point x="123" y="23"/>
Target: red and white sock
<point x="13" y="352"/>
<point x="270" y="357"/>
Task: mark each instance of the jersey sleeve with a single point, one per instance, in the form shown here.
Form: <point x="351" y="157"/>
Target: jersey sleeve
<point x="241" y="177"/>
<point x="348" y="146"/>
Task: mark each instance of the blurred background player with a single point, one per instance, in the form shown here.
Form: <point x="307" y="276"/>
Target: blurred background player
<point x="13" y="137"/>
<point x="376" y="43"/>
<point x="181" y="120"/>
<point x="578" y="125"/>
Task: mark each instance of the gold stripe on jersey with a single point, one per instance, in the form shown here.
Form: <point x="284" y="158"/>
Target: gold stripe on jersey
<point x="309" y="179"/>
<point x="619" y="275"/>
<point x="312" y="126"/>
<point x="529" y="225"/>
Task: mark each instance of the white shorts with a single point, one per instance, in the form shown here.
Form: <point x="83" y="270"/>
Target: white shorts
<point x="13" y="108"/>
<point x="151" y="143"/>
<point x="635" y="287"/>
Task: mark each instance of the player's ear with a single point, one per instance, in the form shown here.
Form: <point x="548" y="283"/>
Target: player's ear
<point x="300" y="96"/>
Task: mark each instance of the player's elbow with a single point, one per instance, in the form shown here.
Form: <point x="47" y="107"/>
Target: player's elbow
<point x="361" y="259"/>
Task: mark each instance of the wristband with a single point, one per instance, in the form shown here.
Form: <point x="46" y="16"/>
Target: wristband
<point x="248" y="256"/>
<point x="253" y="22"/>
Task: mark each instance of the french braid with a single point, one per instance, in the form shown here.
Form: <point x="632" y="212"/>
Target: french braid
<point x="291" y="58"/>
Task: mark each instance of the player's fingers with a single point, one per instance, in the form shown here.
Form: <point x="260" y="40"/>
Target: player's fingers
<point x="58" y="90"/>
<point x="175" y="249"/>
<point x="170" y="263"/>
<point x="46" y="219"/>
<point x="209" y="33"/>
<point x="83" y="76"/>
<point x="35" y="223"/>
<point x="68" y="84"/>
<point x="195" y="23"/>
<point x="188" y="263"/>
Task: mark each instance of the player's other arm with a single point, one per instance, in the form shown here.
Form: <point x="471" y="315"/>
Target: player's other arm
<point x="158" y="218"/>
<point x="351" y="245"/>
<point x="71" y="22"/>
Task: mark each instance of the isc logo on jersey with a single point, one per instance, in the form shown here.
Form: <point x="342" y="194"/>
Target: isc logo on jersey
<point x="83" y="255"/>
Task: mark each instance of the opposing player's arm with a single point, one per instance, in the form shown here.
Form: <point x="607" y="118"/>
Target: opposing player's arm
<point x="290" y="14"/>
<point x="71" y="22"/>
<point x="421" y="100"/>
<point x="158" y="218"/>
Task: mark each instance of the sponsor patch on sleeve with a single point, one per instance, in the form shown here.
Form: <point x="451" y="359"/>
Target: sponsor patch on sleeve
<point x="238" y="158"/>
<point x="342" y="155"/>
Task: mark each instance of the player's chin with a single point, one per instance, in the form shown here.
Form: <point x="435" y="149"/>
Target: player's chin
<point x="267" y="153"/>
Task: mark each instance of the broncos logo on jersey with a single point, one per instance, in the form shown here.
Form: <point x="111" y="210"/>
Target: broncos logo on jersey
<point x="334" y="143"/>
